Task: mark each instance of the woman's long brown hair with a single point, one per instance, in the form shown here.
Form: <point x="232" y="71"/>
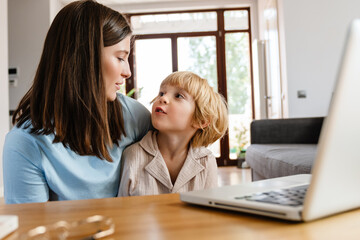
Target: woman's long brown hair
<point x="67" y="97"/>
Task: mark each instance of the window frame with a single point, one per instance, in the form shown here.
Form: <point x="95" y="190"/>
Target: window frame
<point x="224" y="159"/>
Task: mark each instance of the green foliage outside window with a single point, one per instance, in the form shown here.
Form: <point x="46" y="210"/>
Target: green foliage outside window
<point x="203" y="54"/>
<point x="237" y="67"/>
<point x="237" y="72"/>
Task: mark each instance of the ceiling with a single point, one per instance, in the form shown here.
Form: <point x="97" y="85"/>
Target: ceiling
<point x="114" y="2"/>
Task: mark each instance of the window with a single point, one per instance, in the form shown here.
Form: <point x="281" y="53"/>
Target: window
<point x="216" y="45"/>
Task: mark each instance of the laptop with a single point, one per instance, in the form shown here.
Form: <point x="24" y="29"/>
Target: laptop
<point x="333" y="186"/>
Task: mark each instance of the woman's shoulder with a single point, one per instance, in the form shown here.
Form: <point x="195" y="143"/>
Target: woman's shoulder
<point x="131" y="105"/>
<point x="20" y="140"/>
<point x="20" y="134"/>
<point x="137" y="118"/>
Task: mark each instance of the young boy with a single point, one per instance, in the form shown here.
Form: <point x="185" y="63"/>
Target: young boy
<point x="188" y="115"/>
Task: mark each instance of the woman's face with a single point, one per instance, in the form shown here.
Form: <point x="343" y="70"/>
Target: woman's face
<point x="115" y="66"/>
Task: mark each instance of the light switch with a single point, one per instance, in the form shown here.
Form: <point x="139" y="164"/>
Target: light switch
<point x="301" y="94"/>
<point x="14" y="71"/>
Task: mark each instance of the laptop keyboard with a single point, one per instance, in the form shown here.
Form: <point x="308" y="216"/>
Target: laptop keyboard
<point x="287" y="197"/>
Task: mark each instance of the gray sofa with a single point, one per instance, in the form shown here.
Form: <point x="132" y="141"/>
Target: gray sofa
<point x="282" y="147"/>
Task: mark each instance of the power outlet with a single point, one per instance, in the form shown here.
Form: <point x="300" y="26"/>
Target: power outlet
<point x="13" y="82"/>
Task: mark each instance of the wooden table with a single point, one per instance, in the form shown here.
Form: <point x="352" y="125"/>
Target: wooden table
<point x="166" y="217"/>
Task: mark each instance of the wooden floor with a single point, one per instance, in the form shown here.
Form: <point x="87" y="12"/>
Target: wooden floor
<point x="233" y="175"/>
<point x="227" y="176"/>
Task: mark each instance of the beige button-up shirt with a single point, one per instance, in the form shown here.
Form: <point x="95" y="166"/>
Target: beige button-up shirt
<point x="144" y="170"/>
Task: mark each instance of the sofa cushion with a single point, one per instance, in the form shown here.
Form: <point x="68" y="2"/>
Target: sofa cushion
<point x="277" y="160"/>
<point x="286" y="131"/>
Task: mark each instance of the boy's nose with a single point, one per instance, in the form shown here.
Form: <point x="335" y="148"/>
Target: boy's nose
<point x="164" y="99"/>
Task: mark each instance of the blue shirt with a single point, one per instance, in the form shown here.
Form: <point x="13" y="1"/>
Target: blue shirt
<point x="38" y="170"/>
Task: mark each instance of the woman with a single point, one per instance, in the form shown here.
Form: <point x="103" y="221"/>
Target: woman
<point x="72" y="126"/>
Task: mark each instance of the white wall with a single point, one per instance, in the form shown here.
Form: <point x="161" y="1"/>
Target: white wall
<point x="314" y="34"/>
<point x="28" y="24"/>
<point x="4" y="96"/>
<point x="55" y="7"/>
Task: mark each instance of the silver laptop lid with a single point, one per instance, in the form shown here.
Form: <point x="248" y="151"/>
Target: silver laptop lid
<point x="336" y="172"/>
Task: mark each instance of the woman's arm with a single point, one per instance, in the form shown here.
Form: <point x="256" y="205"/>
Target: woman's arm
<point x="24" y="180"/>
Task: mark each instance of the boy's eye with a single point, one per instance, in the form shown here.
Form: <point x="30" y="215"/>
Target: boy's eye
<point x="161" y="94"/>
<point x="178" y="95"/>
<point x="120" y="59"/>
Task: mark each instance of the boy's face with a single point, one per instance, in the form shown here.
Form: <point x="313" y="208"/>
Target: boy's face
<point x="173" y="111"/>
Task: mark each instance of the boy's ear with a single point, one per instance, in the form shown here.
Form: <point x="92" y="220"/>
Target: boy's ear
<point x="201" y="125"/>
